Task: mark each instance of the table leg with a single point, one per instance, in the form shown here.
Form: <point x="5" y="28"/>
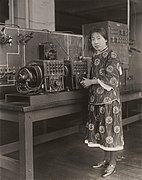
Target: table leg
<point x="26" y="147"/>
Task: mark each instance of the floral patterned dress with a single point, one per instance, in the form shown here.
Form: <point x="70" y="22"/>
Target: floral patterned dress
<point x="104" y="126"/>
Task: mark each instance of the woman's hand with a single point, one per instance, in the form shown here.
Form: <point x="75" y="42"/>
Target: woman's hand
<point x="88" y="82"/>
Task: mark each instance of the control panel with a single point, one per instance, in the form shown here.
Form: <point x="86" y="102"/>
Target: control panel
<point x="7" y="75"/>
<point x="53" y="75"/>
<point x="118" y="36"/>
<point x="79" y="70"/>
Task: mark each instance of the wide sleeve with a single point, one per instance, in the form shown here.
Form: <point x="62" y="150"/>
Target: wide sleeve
<point x="110" y="73"/>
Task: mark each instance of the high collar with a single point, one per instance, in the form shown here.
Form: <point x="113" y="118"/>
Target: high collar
<point x="101" y="51"/>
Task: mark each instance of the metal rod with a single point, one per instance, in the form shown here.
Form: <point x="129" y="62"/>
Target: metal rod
<point x="128" y="15"/>
<point x="27" y="13"/>
<point x="12" y="12"/>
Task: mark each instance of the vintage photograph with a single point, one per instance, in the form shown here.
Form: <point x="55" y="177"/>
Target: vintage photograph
<point x="70" y="89"/>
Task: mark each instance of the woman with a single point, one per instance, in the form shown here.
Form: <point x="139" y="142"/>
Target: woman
<point x="104" y="126"/>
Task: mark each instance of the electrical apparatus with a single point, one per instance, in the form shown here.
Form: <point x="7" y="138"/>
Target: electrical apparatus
<point x="41" y="76"/>
<point x="79" y="70"/>
<point x="53" y="72"/>
<point x="29" y="79"/>
<point x="30" y="55"/>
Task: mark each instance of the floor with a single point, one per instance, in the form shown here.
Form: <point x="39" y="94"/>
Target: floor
<point x="69" y="158"/>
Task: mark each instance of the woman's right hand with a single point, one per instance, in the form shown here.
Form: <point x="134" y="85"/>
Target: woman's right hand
<point x="86" y="82"/>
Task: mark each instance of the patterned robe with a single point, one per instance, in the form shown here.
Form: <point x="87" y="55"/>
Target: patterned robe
<point x="104" y="126"/>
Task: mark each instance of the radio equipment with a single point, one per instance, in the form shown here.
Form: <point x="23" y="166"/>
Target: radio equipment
<point x="41" y="75"/>
<point x="74" y="72"/>
<point x="79" y="70"/>
<point x="53" y="75"/>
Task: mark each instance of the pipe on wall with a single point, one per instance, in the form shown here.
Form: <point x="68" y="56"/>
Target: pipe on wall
<point x="128" y="15"/>
<point x="27" y="13"/>
<point x="12" y="12"/>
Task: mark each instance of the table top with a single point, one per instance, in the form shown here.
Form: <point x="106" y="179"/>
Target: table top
<point x="21" y="106"/>
<point x="25" y="107"/>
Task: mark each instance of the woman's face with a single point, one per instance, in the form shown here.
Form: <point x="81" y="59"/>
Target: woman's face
<point x="98" y="41"/>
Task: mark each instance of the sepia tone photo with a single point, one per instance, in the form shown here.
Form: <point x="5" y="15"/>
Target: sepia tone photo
<point x="70" y="89"/>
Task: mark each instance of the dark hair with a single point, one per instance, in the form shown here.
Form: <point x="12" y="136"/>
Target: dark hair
<point x="101" y="31"/>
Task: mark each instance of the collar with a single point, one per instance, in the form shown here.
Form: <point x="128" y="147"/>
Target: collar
<point x="101" y="51"/>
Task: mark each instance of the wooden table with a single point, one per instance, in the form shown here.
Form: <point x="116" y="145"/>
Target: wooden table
<point x="26" y="115"/>
<point x="127" y="97"/>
